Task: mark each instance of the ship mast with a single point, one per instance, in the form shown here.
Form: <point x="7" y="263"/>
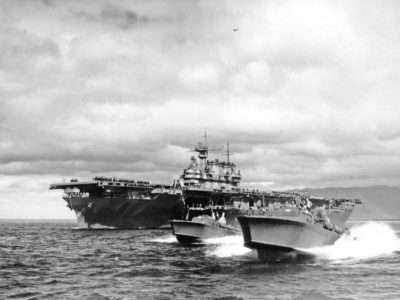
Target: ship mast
<point x="202" y="149"/>
<point x="227" y="151"/>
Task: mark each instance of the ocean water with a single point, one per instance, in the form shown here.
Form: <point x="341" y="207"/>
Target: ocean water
<point x="57" y="260"/>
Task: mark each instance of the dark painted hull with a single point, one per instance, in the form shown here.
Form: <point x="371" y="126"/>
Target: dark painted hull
<point x="277" y="238"/>
<point x="195" y="232"/>
<point x="121" y="212"/>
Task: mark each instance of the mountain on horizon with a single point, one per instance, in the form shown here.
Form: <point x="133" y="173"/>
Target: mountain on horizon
<point x="379" y="202"/>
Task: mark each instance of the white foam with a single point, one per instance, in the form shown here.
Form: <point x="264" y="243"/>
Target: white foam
<point x="228" y="246"/>
<point x="81" y="223"/>
<point x="165" y="239"/>
<point x="364" y="241"/>
<point x="80" y="219"/>
<point x="94" y="226"/>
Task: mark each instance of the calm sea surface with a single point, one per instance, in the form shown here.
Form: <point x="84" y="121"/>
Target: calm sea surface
<point x="55" y="260"/>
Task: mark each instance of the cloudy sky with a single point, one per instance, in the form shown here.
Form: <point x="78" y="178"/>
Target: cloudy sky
<point x="305" y="91"/>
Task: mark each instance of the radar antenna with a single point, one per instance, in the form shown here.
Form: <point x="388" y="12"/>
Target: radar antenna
<point x="202" y="147"/>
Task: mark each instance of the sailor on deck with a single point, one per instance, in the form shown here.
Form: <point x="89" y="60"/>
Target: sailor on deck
<point x="321" y="215"/>
<point x="222" y="220"/>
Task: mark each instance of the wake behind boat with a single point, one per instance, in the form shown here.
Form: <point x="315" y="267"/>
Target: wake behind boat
<point x="285" y="232"/>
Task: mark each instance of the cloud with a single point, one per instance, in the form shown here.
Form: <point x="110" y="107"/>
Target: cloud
<point x="123" y="18"/>
<point x="23" y="51"/>
<point x="306" y="93"/>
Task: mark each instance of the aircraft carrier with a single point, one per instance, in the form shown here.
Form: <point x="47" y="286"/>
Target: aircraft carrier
<point x="126" y="203"/>
<point x="204" y="202"/>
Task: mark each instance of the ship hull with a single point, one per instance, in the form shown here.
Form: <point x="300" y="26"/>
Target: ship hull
<point x="278" y="238"/>
<point x="121" y="212"/>
<point x="187" y="232"/>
